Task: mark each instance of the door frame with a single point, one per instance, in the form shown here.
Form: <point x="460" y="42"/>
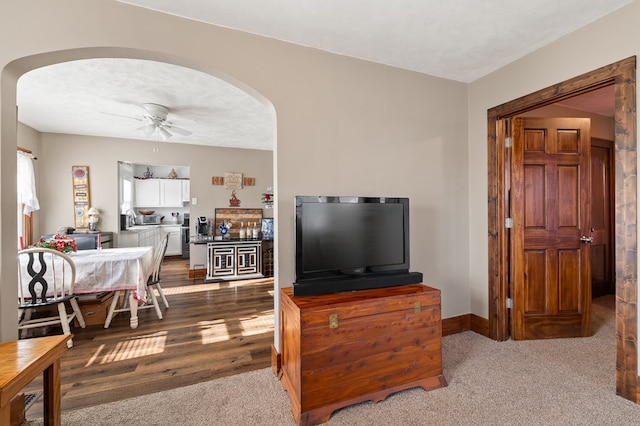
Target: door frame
<point x="622" y="74"/>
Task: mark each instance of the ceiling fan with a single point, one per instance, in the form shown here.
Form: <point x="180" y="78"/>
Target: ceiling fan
<point x="156" y="123"/>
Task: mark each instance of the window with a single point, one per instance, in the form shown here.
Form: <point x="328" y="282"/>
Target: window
<point x="27" y="198"/>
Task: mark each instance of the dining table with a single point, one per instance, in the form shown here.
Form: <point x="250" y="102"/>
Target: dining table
<point x="118" y="270"/>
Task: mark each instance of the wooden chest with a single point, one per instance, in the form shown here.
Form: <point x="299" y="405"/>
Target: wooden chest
<point x="94" y="308"/>
<point x="342" y="349"/>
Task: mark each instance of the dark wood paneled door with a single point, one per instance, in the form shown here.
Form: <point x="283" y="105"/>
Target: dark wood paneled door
<point x="602" y="202"/>
<point x="550" y="206"/>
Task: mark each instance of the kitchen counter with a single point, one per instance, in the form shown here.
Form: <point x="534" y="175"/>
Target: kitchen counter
<point x="204" y="240"/>
<point x="139" y="235"/>
<point x="200" y="252"/>
<point x="136" y="228"/>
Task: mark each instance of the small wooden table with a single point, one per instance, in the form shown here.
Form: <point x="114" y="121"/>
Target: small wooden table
<point x="22" y="361"/>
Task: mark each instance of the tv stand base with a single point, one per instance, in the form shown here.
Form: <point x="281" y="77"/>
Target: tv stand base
<point x="313" y="287"/>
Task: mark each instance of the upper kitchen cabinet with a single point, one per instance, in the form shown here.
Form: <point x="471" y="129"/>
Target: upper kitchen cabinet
<point x="147" y="192"/>
<point x="170" y="193"/>
<point x="159" y="192"/>
<point x="186" y="191"/>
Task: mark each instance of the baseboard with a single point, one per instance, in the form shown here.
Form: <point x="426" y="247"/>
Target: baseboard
<point x="465" y="322"/>
<point x="276" y="362"/>
<point x="197" y="273"/>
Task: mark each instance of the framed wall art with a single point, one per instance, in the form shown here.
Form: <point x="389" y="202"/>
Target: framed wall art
<point x="267" y="229"/>
<point x="233" y="180"/>
<point x="81" y="196"/>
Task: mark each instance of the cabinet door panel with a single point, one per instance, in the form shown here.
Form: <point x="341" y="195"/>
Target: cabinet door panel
<point x="170" y="193"/>
<point x="186" y="191"/>
<point x="147" y="192"/>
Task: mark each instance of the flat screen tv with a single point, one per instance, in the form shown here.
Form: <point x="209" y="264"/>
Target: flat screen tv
<point x="351" y="243"/>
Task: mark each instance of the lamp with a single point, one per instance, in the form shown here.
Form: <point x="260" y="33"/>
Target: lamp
<point x="94" y="218"/>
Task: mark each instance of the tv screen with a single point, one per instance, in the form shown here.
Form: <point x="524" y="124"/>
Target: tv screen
<point x="347" y="243"/>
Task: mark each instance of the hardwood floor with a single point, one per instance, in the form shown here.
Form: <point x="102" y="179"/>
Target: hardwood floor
<point x="210" y="330"/>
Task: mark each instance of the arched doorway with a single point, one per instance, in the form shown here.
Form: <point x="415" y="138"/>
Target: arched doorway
<point x="10" y="76"/>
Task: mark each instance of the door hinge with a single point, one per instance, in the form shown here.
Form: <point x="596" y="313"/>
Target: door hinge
<point x="508" y="222"/>
<point x="509" y="303"/>
<point x="508" y="142"/>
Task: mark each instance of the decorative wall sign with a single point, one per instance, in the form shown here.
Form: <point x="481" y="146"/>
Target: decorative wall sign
<point x="217" y="180"/>
<point x="267" y="200"/>
<point x="233" y="180"/>
<point x="249" y="181"/>
<point x="239" y="218"/>
<point x="81" y="198"/>
<point x="234" y="201"/>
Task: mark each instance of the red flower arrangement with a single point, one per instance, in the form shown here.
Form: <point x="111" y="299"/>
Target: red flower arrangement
<point x="61" y="243"/>
<point x="267" y="200"/>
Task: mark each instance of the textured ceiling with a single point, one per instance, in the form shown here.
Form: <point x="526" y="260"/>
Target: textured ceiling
<point x="461" y="40"/>
<point x="96" y="97"/>
<point x="456" y="39"/>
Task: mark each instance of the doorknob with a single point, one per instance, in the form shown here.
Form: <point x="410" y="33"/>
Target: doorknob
<point x="586" y="239"/>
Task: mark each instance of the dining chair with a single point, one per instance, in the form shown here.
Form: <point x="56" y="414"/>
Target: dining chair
<point x="153" y="283"/>
<point x="46" y="278"/>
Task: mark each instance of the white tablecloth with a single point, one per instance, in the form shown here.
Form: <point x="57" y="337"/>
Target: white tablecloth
<point x="126" y="268"/>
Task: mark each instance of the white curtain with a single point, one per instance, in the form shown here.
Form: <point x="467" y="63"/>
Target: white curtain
<point x="27" y="184"/>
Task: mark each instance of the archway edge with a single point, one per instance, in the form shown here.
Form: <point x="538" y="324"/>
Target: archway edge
<point x="16" y="68"/>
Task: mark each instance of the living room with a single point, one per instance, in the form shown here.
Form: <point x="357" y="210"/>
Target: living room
<point x="343" y="125"/>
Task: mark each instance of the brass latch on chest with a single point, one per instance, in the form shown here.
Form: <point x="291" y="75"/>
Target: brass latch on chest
<point x="417" y="307"/>
<point x="333" y="321"/>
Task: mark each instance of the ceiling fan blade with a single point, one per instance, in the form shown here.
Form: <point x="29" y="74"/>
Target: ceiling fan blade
<point x="177" y="130"/>
<point x="124" y="116"/>
<point x="180" y="131"/>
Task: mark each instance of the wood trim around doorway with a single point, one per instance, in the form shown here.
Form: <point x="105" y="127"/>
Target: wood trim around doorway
<point x="622" y="74"/>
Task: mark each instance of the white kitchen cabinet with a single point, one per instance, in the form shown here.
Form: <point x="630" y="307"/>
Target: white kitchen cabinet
<point x="147" y="192"/>
<point x="140" y="236"/>
<point x="170" y="193"/>
<point x="234" y="260"/>
<point x="159" y="192"/>
<point x="186" y="190"/>
<point x="174" y="246"/>
<point x="197" y="255"/>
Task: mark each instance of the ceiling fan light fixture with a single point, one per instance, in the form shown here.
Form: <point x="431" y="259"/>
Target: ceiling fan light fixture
<point x="164" y="134"/>
<point x="156" y="124"/>
<point x="148" y="129"/>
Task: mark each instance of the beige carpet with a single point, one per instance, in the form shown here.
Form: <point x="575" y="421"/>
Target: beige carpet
<point x="549" y="382"/>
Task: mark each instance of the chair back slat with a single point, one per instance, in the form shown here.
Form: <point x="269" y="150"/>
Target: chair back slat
<point x="158" y="257"/>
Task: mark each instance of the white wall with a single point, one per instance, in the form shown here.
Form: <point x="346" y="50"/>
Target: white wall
<point x="59" y="152"/>
<point x="344" y="126"/>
